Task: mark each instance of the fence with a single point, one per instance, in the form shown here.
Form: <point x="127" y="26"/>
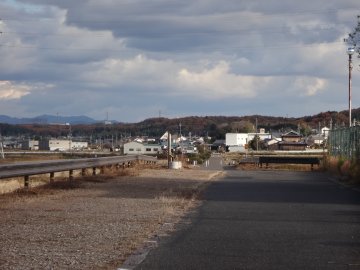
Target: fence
<point x="345" y="142"/>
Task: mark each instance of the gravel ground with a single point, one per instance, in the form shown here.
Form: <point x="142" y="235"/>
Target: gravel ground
<point x="95" y="223"/>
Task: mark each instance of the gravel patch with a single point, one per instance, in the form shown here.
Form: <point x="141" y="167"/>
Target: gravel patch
<point x="95" y="223"/>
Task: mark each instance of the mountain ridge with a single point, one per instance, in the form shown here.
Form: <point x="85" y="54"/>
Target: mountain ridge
<point x="212" y="126"/>
<point x="47" y="119"/>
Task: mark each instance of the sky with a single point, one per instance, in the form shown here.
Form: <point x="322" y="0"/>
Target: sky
<point x="129" y="60"/>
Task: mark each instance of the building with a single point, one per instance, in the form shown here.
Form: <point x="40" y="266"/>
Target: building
<point x="136" y="148"/>
<point x="79" y="145"/>
<point x="325" y="132"/>
<point x="262" y="135"/>
<point x="236" y="139"/>
<point x="317" y="139"/>
<point x="55" y="145"/>
<point x="236" y="148"/>
<point x="272" y="144"/>
<point x="237" y="142"/>
<point x="30" y="145"/>
<point x="291" y="136"/>
<point x="218" y="145"/>
<point x="189" y="149"/>
<point x="292" y="141"/>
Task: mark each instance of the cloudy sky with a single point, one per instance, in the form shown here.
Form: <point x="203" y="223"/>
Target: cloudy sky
<point x="136" y="59"/>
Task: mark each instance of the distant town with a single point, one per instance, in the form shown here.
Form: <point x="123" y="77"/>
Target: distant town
<point x="188" y="134"/>
<point x="233" y="142"/>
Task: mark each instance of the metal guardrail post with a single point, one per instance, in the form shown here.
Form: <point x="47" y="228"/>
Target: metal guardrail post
<point x="52" y="176"/>
<point x="26" y="181"/>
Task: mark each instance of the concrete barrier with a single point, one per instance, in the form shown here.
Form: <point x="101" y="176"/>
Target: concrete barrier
<point x="176" y="165"/>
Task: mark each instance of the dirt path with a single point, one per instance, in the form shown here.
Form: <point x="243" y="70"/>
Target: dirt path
<point x="97" y="222"/>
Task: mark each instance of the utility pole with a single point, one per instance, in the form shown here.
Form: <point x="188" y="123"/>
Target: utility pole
<point x="169" y="149"/>
<point x="350" y="52"/>
<point x="69" y="137"/>
<point x="353" y="42"/>
<point x="2" y="148"/>
<point x="256" y="136"/>
<point x="1" y="141"/>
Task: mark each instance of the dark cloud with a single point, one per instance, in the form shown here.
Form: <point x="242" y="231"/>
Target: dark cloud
<point x="133" y="58"/>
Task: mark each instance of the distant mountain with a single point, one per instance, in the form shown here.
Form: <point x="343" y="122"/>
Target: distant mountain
<point x="48" y="119"/>
<point x="213" y="126"/>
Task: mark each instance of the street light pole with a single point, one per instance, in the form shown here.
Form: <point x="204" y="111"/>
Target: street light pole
<point x="350" y="52"/>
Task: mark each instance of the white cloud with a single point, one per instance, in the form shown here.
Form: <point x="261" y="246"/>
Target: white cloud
<point x="219" y="82"/>
<point x="9" y="90"/>
<point x="138" y="73"/>
<point x="170" y="78"/>
<point x="309" y="86"/>
<point x="14" y="91"/>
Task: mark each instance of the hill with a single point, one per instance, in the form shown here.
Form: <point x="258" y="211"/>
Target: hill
<point x="213" y="126"/>
<point x="47" y="119"/>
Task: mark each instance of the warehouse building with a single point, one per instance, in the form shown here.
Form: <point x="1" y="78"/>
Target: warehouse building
<point x="136" y="148"/>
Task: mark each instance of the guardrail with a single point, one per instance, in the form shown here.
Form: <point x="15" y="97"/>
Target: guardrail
<point x="289" y="160"/>
<point x="27" y="169"/>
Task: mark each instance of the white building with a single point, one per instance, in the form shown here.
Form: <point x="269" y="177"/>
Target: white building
<point x="325" y="132"/>
<point x="136" y="148"/>
<point x="189" y="149"/>
<point x="55" y="145"/>
<point x="315" y="139"/>
<point x="79" y="145"/>
<point x="234" y="148"/>
<point x="30" y="145"/>
<point x="237" y="142"/>
<point x="241" y="139"/>
<point x="262" y="136"/>
<point x="236" y="139"/>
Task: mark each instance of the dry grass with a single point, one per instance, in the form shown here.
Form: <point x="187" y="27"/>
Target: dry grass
<point x="345" y="170"/>
<point x="61" y="178"/>
<point x="26" y="157"/>
<point x="293" y="167"/>
<point x="285" y="167"/>
<point x="93" y="222"/>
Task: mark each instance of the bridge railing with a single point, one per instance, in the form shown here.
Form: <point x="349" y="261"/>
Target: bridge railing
<point x="27" y="169"/>
<point x="289" y="160"/>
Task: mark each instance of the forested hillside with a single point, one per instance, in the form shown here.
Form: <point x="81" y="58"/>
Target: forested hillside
<point x="213" y="126"/>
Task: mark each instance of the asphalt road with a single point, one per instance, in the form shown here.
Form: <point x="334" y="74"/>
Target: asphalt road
<point x="267" y="220"/>
<point x="215" y="163"/>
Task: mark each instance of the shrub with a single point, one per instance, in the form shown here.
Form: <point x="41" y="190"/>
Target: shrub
<point x="348" y="169"/>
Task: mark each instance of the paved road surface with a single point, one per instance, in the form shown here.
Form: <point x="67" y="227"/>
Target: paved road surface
<point x="214" y="163"/>
<point x="267" y="220"/>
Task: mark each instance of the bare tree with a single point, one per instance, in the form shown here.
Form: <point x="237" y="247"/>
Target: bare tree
<point x="353" y="40"/>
